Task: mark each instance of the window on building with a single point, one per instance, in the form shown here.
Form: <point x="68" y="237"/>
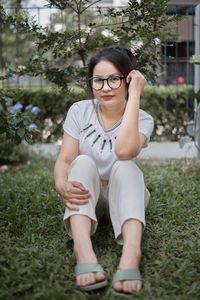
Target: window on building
<point x="176" y="63"/>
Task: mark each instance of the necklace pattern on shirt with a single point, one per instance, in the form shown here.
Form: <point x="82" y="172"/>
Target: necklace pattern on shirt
<point x="98" y="136"/>
<point x="106" y="135"/>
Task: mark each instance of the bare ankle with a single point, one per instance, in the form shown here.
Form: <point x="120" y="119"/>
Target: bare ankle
<point x="131" y="257"/>
<point x="132" y="247"/>
<point x="84" y="253"/>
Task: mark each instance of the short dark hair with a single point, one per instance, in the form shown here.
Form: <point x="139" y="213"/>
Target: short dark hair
<point x="123" y="59"/>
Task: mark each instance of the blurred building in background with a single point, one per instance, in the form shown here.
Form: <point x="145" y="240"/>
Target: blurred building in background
<point x="176" y="54"/>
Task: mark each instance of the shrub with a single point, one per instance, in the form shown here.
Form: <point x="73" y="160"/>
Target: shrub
<point x="12" y="153"/>
<point x="171" y="107"/>
<point x="53" y="107"/>
<point x="14" y="123"/>
<point x="167" y="105"/>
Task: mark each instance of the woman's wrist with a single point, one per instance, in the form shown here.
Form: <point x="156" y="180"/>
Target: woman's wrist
<point x="59" y="183"/>
<point x="134" y="96"/>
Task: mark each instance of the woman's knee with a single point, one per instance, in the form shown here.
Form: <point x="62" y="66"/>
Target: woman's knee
<point x="83" y="169"/>
<point x="83" y="162"/>
<point x="126" y="168"/>
<point x="83" y="158"/>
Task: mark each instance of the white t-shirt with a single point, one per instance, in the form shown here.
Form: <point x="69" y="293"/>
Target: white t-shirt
<point x="84" y="123"/>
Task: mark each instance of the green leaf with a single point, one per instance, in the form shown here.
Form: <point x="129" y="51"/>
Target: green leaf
<point x="28" y="140"/>
<point x="20" y="132"/>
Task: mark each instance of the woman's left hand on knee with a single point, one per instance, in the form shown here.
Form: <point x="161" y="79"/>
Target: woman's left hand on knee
<point x="73" y="194"/>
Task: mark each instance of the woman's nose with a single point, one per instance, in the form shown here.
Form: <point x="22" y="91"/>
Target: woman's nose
<point x="106" y="86"/>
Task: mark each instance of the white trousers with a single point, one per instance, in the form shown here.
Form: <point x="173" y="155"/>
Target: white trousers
<point x="123" y="197"/>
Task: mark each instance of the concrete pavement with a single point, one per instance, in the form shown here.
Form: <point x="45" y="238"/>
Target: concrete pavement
<point x="155" y="150"/>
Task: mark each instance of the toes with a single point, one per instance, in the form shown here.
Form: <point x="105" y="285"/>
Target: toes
<point x="100" y="276"/>
<point x="138" y="286"/>
<point x="78" y="280"/>
<point x="118" y="286"/>
<point x="90" y="278"/>
<point x="127" y="287"/>
<point x="131" y="286"/>
<point x="85" y="279"/>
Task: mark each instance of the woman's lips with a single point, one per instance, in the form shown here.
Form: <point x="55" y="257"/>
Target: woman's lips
<point x="107" y="97"/>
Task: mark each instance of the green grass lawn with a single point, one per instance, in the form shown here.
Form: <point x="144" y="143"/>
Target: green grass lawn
<point x="36" y="261"/>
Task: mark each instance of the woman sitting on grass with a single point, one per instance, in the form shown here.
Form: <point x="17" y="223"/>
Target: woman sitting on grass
<point x="95" y="172"/>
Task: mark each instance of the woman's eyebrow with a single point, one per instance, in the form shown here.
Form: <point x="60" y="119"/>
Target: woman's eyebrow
<point x="108" y="75"/>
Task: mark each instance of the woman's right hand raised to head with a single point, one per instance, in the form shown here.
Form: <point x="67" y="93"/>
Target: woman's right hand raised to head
<point x="72" y="193"/>
<point x="136" y="82"/>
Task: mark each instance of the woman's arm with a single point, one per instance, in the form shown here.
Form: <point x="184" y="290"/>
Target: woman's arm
<point x="129" y="141"/>
<point x="68" y="152"/>
<point x="72" y="192"/>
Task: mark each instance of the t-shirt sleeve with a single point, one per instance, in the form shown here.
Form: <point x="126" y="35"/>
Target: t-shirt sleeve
<point x="72" y="122"/>
<point x="146" y="125"/>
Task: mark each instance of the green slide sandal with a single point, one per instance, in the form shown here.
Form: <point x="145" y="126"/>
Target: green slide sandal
<point x="94" y="268"/>
<point x="125" y="274"/>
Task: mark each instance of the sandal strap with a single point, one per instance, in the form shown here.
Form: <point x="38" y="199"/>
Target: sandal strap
<point x="87" y="268"/>
<point x="126" y="274"/>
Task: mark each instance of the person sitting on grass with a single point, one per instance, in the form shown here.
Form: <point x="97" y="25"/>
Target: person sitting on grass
<point x="96" y="173"/>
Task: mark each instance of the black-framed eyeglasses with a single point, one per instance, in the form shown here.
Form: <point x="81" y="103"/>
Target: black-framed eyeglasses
<point x="113" y="81"/>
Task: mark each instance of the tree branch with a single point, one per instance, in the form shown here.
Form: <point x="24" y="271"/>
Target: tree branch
<point x="90" y="5"/>
<point x="80" y="4"/>
<point x="114" y="24"/>
<point x="71" y="6"/>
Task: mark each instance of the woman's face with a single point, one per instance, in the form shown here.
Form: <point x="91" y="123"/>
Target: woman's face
<point x="107" y="95"/>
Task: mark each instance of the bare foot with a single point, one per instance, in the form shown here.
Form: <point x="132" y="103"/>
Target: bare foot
<point x="130" y="260"/>
<point x="86" y="254"/>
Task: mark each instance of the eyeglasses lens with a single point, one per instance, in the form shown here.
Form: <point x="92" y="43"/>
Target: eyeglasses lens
<point x="114" y="82"/>
<point x="97" y="83"/>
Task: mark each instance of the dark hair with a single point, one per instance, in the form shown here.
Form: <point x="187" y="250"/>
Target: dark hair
<point x="123" y="59"/>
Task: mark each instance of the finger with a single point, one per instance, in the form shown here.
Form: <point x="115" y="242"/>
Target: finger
<point x="79" y="202"/>
<point x="128" y="78"/>
<point x="80" y="197"/>
<point x="71" y="195"/>
<point x="78" y="185"/>
<point x="78" y="191"/>
<point x="71" y="206"/>
<point x="74" y="200"/>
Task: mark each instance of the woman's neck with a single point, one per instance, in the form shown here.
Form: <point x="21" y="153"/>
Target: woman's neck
<point x="112" y="113"/>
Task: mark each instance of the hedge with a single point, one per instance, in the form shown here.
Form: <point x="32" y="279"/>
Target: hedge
<point x="171" y="108"/>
